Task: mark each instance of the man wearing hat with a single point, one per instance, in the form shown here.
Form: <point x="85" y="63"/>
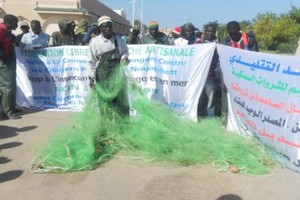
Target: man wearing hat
<point x="24" y="26"/>
<point x="154" y="36"/>
<point x="36" y="39"/>
<point x="176" y="32"/>
<point x="108" y="52"/>
<point x="188" y="36"/>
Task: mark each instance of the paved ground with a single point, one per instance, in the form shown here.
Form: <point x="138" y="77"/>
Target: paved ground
<point x="122" y="179"/>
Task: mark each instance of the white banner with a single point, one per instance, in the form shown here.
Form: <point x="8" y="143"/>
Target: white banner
<point x="264" y="94"/>
<point x="263" y="88"/>
<point x="52" y="78"/>
<point x="174" y="75"/>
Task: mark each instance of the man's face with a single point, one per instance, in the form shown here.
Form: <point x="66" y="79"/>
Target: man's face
<point x="107" y="30"/>
<point x="13" y="25"/>
<point x="210" y="33"/>
<point x="153" y="32"/>
<point x="36" y="29"/>
<point x="189" y="31"/>
<point x="234" y="34"/>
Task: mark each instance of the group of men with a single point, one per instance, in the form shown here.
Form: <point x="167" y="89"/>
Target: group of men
<point x="108" y="49"/>
<point x="34" y="39"/>
<point x="213" y="99"/>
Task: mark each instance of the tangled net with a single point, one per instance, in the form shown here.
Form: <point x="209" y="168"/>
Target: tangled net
<point x="156" y="132"/>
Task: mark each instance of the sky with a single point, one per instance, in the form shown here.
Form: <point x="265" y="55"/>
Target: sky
<point x="173" y="13"/>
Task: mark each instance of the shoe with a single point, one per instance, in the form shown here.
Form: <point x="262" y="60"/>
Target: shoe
<point x="18" y="110"/>
<point x="13" y="116"/>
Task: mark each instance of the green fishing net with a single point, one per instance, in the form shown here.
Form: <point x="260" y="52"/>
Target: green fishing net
<point x="156" y="132"/>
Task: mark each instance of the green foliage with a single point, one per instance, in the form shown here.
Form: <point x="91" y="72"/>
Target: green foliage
<point x="263" y="26"/>
<point x="285" y="34"/>
<point x="245" y="25"/>
<point x="222" y="31"/>
<point x="279" y="33"/>
<point x="294" y="13"/>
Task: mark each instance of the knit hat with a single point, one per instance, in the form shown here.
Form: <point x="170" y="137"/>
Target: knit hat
<point x="177" y="30"/>
<point x="23" y="23"/>
<point x="152" y="24"/>
<point x="104" y="19"/>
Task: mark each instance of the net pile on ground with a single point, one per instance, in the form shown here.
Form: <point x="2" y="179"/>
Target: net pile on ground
<point x="99" y="131"/>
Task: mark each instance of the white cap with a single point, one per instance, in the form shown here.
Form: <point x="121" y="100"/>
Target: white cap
<point x="23" y="23"/>
<point x="104" y="19"/>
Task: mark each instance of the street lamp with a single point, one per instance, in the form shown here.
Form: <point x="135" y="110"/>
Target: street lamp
<point x="142" y="16"/>
<point x="133" y="10"/>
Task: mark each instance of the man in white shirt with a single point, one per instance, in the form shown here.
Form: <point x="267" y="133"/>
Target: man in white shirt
<point x="108" y="52"/>
<point x="35" y="39"/>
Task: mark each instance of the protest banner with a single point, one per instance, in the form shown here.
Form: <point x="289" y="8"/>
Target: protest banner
<point x="265" y="99"/>
<point x="263" y="89"/>
<point x="174" y="75"/>
<point x="52" y="78"/>
<point x="56" y="78"/>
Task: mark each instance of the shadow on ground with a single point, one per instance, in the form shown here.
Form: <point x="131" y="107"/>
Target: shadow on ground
<point x="9" y="131"/>
<point x="10" y="175"/>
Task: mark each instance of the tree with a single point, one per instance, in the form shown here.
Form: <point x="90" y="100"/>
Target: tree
<point x="294" y="13"/>
<point x="245" y="25"/>
<point x="222" y="31"/>
<point x="285" y="34"/>
<point x="263" y="26"/>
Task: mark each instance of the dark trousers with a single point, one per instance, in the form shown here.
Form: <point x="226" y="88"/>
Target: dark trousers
<point x="8" y="87"/>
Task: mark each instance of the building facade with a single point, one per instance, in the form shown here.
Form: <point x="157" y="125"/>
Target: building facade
<point x="50" y="12"/>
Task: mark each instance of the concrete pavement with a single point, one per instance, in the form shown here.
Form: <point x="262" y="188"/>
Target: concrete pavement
<point x="122" y="179"/>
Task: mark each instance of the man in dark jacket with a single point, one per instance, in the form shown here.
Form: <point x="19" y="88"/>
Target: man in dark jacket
<point x="237" y="39"/>
<point x="8" y="67"/>
<point x="155" y="36"/>
<point x="63" y="36"/>
<point x="134" y="37"/>
<point x="210" y="98"/>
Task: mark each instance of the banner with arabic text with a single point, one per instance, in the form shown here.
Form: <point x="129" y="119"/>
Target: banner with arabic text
<point x="264" y="91"/>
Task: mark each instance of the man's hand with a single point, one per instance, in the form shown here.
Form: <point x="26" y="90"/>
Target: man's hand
<point x="91" y="82"/>
<point x="125" y="61"/>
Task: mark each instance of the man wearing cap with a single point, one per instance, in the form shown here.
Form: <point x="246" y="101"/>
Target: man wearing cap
<point x="154" y="36"/>
<point x="35" y="39"/>
<point x="108" y="52"/>
<point x="176" y="32"/>
<point x="24" y="26"/>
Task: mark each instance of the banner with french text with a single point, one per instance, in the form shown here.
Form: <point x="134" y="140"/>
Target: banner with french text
<point x="52" y="78"/>
<point x="174" y="75"/>
<point x="264" y="96"/>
